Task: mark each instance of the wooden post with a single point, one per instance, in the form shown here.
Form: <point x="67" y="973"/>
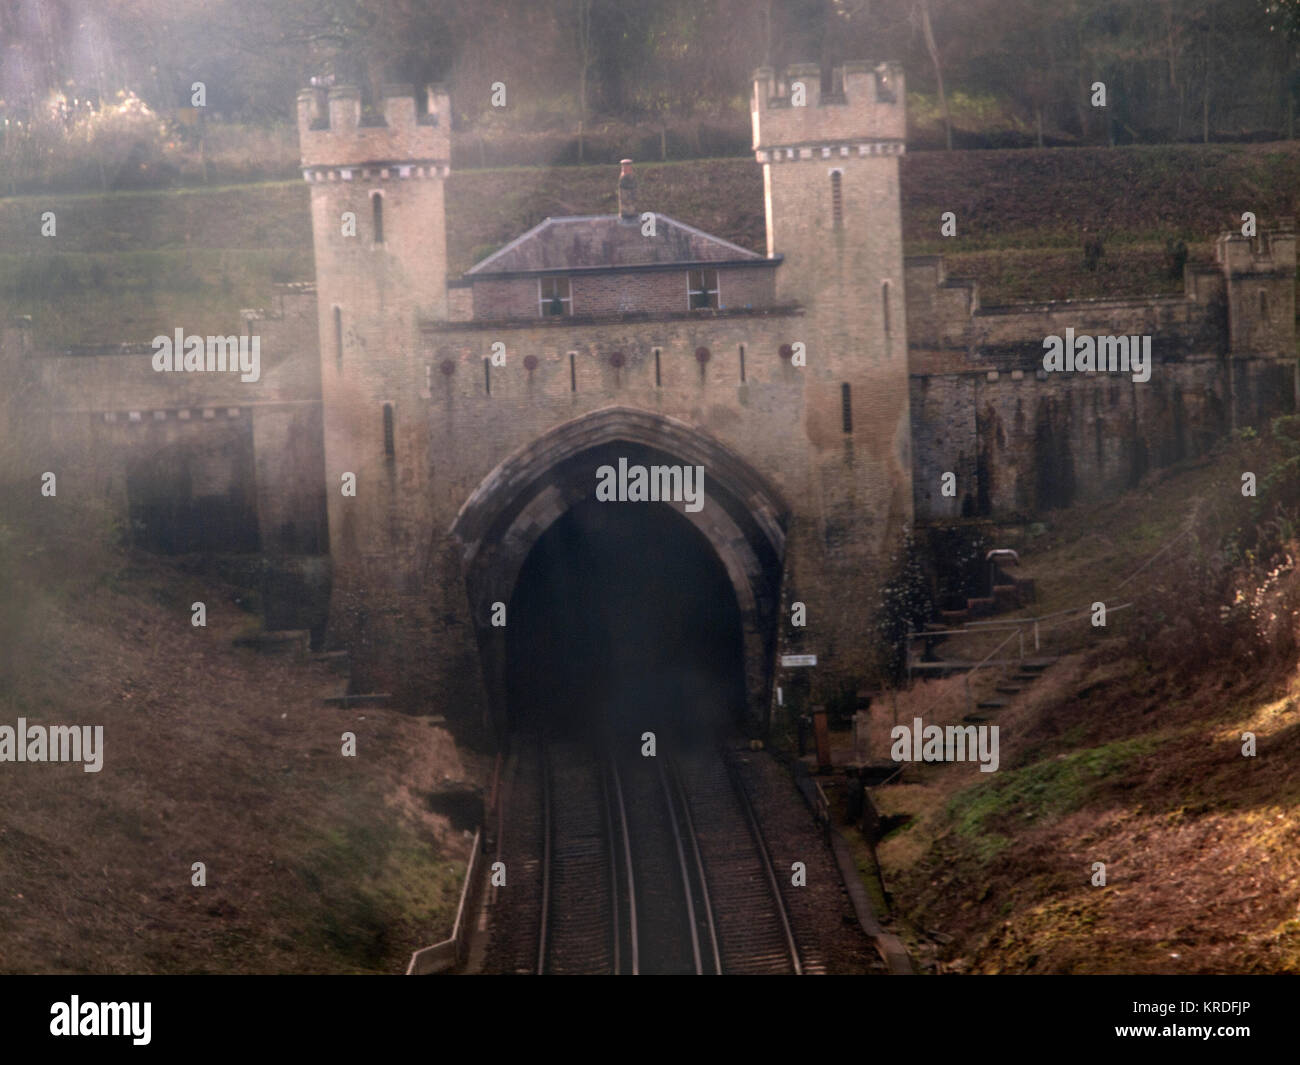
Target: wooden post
<point x="822" y="733"/>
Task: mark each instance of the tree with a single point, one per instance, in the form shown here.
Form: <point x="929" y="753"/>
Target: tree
<point x="1284" y="21"/>
<point x="586" y="55"/>
<point x="921" y="8"/>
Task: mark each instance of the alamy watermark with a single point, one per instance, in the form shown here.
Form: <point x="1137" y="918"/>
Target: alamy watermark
<point x="651" y="484"/>
<point x="1100" y="354"/>
<point x="102" y="1018"/>
<point x="950" y="743"/>
<point x="57" y="743"/>
<point x="190" y="354"/>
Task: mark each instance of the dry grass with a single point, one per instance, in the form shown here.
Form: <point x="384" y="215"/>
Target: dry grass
<point x="315" y="862"/>
<point x="1120" y="756"/>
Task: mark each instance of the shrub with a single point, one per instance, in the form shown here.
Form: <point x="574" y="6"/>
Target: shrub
<point x="905" y="607"/>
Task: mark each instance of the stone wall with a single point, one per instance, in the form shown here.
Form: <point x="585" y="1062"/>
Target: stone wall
<point x="1022" y="440"/>
<point x="1021" y="446"/>
<point x="197" y="461"/>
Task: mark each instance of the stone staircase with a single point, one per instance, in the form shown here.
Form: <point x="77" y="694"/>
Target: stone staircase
<point x="1009" y="592"/>
<point x="1011" y="684"/>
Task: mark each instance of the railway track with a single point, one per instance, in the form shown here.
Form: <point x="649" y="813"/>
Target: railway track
<point x="668" y="897"/>
<point x="635" y="866"/>
<point x="583" y="908"/>
<point x="753" y="931"/>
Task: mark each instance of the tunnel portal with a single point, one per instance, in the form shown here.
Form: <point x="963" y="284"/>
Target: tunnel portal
<point x="623" y="620"/>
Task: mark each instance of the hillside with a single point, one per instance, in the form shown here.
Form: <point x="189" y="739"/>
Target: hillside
<point x="1128" y="751"/>
<point x="199" y="255"/>
<point x="316" y="863"/>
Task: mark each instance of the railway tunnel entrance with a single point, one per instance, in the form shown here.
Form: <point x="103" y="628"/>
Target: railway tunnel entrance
<point x="622" y="609"/>
<point x="623" y="619"/>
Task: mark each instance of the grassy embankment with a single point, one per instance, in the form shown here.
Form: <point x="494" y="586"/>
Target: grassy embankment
<point x="1128" y="751"/>
<point x="132" y="263"/>
<point x="212" y="753"/>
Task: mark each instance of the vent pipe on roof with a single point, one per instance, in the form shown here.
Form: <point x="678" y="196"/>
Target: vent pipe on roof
<point x="626" y="192"/>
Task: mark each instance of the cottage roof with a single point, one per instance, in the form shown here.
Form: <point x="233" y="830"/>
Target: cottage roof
<point x="586" y="242"/>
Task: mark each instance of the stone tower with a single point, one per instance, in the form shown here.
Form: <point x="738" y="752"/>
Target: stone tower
<point x="1260" y="277"/>
<point x="379" y="226"/>
<point x="831" y="187"/>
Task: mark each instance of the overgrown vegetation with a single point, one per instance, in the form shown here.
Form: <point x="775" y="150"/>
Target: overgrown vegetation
<point x="1231" y="593"/>
<point x="989" y="72"/>
<point x="1162" y="748"/>
<point x="906" y="605"/>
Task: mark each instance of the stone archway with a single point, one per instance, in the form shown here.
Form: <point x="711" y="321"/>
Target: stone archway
<point x="743" y="519"/>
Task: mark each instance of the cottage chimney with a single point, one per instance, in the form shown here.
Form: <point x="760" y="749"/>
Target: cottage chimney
<point x="626" y="192"/>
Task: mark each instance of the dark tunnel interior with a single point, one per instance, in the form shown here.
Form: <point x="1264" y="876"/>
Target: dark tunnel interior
<point x="623" y="620"/>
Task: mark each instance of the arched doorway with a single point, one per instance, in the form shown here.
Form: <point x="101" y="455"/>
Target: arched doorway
<point x="735" y="538"/>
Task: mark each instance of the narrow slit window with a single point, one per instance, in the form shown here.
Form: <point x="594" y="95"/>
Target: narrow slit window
<point x="377" y="214"/>
<point x="837" y="200"/>
<point x="390" y="448"/>
<point x="846" y="407"/>
<point x="573" y="372"/>
<point x="487" y="376"/>
<point x="658" y="383"/>
<point x="554" y="298"/>
<point x="702" y="289"/>
<point x="742" y="363"/>
<point x="1263" y="303"/>
<point x="884" y="304"/>
<point x="338" y="337"/>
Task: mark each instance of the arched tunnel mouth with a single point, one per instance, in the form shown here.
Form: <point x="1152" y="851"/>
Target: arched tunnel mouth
<point x="623" y="620"/>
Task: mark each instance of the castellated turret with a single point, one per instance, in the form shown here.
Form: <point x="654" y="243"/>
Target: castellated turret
<point x="379" y="235"/>
<point x="1259" y="277"/>
<point x="831" y="194"/>
<point x="331" y="130"/>
<point x="864" y="115"/>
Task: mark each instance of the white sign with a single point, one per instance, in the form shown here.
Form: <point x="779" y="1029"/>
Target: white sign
<point x="798" y="660"/>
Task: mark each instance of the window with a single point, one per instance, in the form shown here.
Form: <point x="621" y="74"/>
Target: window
<point x="702" y="288"/>
<point x="837" y="201"/>
<point x="658" y="382"/>
<point x="377" y="213"/>
<point x="846" y="407"/>
<point x="742" y="363"/>
<point x="884" y="304"/>
<point x="338" y="337"/>
<point x="553" y="296"/>
<point x="389" y="447"/>
<point x="1263" y="303"/>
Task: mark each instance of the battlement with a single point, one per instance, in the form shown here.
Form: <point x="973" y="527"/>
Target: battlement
<point x="1271" y="251"/>
<point x="332" y="130"/>
<point x="866" y="106"/>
